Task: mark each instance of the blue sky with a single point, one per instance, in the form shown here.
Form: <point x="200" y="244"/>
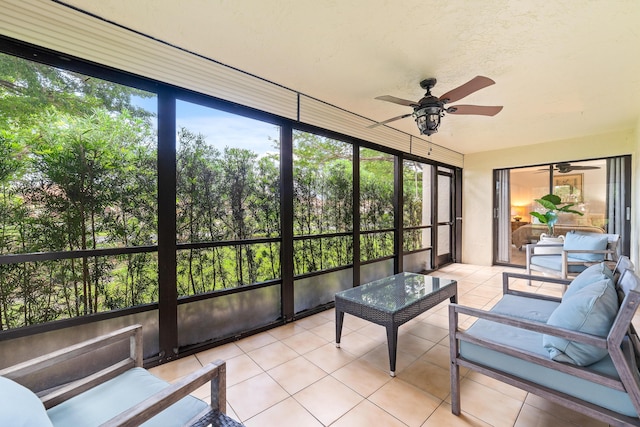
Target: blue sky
<point x="219" y="128"/>
<point x="227" y="130"/>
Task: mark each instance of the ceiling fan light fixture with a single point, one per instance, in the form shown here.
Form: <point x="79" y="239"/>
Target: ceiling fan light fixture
<point x="430" y="109"/>
<point x="428" y="119"/>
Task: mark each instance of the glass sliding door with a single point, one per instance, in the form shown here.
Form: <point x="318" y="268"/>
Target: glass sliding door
<point x="619" y="200"/>
<point x="501" y="218"/>
<point x="445" y="212"/>
<point x="598" y="189"/>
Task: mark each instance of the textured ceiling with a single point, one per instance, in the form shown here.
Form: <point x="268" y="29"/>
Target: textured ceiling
<point x="563" y="68"/>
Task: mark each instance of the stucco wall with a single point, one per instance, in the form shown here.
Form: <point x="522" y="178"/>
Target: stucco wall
<point x="477" y="224"/>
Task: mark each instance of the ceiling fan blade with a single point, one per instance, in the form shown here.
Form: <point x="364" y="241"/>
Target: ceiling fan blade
<point x="481" y="110"/>
<point x="389" y="121"/>
<point x="395" y="100"/>
<point x="475" y="84"/>
<point x="583" y="168"/>
<point x="566" y="167"/>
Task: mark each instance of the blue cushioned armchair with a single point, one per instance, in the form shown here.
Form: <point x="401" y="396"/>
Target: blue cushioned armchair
<point x="118" y="392"/>
<point x="580" y="351"/>
<point x="579" y="251"/>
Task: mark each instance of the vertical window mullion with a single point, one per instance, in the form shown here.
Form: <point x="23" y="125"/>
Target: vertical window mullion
<point x="286" y="182"/>
<point x="398" y="202"/>
<point x="167" y="289"/>
<point x="356" y="215"/>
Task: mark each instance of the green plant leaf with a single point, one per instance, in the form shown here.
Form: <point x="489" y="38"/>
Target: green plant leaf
<point x="546" y="203"/>
<point x="556" y="200"/>
<point x="570" y="211"/>
<point x="541" y="218"/>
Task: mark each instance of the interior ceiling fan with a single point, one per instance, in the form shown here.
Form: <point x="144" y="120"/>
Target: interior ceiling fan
<point x="566" y="167"/>
<point x="428" y="111"/>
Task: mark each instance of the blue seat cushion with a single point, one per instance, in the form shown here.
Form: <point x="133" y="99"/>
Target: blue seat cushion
<point x="103" y="402"/>
<point x="554" y="262"/>
<point x="519" y="306"/>
<point x="591" y="242"/>
<point x="615" y="400"/>
<point x="591" y="310"/>
<point x="20" y="407"/>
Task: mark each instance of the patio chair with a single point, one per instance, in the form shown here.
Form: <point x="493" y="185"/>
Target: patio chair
<point x="122" y="393"/>
<point x="579" y="351"/>
<point x="579" y="251"/>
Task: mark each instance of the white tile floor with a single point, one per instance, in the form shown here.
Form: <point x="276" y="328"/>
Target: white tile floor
<point x="295" y="376"/>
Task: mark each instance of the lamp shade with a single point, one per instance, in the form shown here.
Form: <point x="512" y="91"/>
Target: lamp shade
<point x="517" y="212"/>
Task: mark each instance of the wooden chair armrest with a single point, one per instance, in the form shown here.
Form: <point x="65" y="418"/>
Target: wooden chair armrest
<point x="531" y="246"/>
<point x="588" y="251"/>
<point x="545" y="245"/>
<point x="167" y="396"/>
<point x="134" y="333"/>
<point x="566" y="252"/>
<point x="510" y="275"/>
<point x="530" y="325"/>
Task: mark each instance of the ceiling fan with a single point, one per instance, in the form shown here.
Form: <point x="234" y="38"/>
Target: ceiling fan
<point x="428" y="111"/>
<point x="566" y="167"/>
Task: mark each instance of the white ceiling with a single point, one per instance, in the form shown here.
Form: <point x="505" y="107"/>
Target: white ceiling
<point x="563" y="68"/>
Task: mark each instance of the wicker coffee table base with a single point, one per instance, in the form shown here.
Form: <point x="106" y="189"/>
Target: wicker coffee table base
<point x="391" y="320"/>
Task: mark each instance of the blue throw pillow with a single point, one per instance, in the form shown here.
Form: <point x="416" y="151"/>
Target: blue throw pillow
<point x="591" y="242"/>
<point x="593" y="274"/>
<point x="20" y="407"/>
<point x="591" y="310"/>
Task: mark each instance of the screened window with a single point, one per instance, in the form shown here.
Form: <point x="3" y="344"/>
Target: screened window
<point x="417" y="205"/>
<point x="228" y="199"/>
<point x="77" y="175"/>
<point x="376" y="204"/>
<point x="323" y="206"/>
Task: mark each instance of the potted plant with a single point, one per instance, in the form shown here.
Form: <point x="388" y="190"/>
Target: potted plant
<point x="552" y="203"/>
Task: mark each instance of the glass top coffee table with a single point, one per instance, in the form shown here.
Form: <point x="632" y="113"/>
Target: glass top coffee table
<point x="393" y="301"/>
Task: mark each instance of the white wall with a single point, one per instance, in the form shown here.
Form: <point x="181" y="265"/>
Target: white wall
<point x="477" y="224"/>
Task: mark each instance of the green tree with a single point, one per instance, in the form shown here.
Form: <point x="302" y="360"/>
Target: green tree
<point x="238" y="183"/>
<point x="323" y="189"/>
<point x="199" y="210"/>
<point x="266" y="208"/>
<point x="376" y="203"/>
<point x="10" y="209"/>
<point x="80" y="164"/>
<point x="66" y="142"/>
<point x="27" y="88"/>
<point x="413" y="197"/>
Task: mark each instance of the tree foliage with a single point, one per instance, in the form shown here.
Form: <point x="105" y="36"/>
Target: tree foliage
<point x="78" y="172"/>
<point x="416" y="212"/>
